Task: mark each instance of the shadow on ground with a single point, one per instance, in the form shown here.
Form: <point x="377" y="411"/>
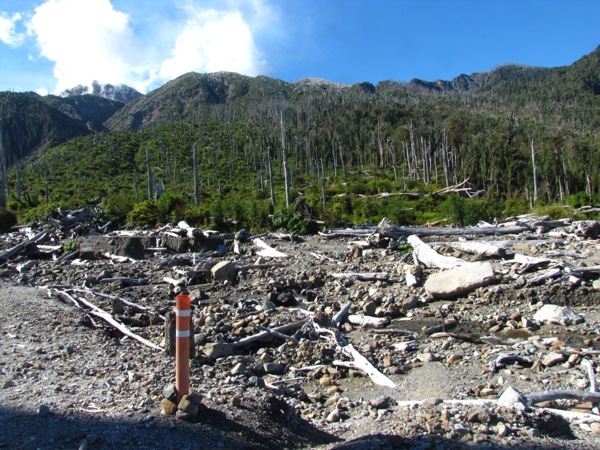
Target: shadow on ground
<point x="212" y="429"/>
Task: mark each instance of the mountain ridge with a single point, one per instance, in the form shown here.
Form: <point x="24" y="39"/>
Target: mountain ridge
<point x="81" y="112"/>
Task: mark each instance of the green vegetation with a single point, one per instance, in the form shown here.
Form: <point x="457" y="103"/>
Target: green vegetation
<point x="345" y="150"/>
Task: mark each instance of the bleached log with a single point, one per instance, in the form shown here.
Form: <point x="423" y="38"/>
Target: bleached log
<point x="50" y="248"/>
<point x="408" y="346"/>
<point x="552" y="223"/>
<point x="584" y="270"/>
<point x="396" y="232"/>
<point x="266" y="250"/>
<point x="459" y="337"/>
<point x="279" y="334"/>
<point x="119" y="259"/>
<point x="593" y="386"/>
<point x="504" y="358"/>
<point x="530" y="260"/>
<point x="411" y="279"/>
<point x="368" y="321"/>
<point x="430" y="258"/>
<point x="337" y="319"/>
<point x="547" y="275"/>
<point x="134" y="306"/>
<point x="362" y="363"/>
<point x="19" y="247"/>
<point x="478" y="248"/>
<point x="126" y="281"/>
<point x="263" y="334"/>
<point x="174" y="282"/>
<point x="365" y="276"/>
<point x="307" y="368"/>
<point x="562" y="394"/>
<point x="94" y="310"/>
<point x="450" y="323"/>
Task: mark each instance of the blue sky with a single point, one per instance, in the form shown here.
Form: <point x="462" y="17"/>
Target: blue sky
<point x="50" y="45"/>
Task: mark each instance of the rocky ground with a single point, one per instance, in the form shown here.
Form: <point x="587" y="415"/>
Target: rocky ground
<point x="427" y="368"/>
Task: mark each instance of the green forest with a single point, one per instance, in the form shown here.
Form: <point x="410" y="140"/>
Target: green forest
<point x="230" y="152"/>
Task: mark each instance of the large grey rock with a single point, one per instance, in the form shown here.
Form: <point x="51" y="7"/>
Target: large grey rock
<point x="557" y="314"/>
<point x="218" y="350"/>
<point x="95" y="247"/>
<point x="461" y="280"/>
<point x="224" y="271"/>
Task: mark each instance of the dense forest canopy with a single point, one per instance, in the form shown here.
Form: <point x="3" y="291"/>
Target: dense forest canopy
<point x="227" y="150"/>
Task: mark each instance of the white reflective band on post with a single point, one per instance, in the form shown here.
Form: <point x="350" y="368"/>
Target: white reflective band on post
<point x="182" y="312"/>
<point x="182" y="334"/>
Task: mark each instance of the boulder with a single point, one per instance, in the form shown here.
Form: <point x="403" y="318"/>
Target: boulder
<point x="95" y="247"/>
<point x="511" y="398"/>
<point x="557" y="314"/>
<point x="460" y="280"/>
<point x="224" y="271"/>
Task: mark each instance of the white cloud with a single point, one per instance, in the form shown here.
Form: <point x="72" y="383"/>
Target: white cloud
<point x="91" y="40"/>
<point x="8" y="33"/>
<point x="86" y="40"/>
<point x="212" y="41"/>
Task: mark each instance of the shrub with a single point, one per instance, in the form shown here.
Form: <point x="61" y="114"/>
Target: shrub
<point x="462" y="211"/>
<point x="116" y="207"/>
<point x="143" y="213"/>
<point x="170" y="207"/>
<point x="294" y="222"/>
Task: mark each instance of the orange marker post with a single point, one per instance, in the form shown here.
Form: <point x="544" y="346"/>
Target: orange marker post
<point x="182" y="345"/>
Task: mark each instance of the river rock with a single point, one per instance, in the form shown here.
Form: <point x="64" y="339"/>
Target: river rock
<point x="224" y="271"/>
<point x="460" y="280"/>
<point x="553" y="359"/>
<point x="557" y="314"/>
<point x="512" y="398"/>
<point x="218" y="350"/>
<point x="168" y="407"/>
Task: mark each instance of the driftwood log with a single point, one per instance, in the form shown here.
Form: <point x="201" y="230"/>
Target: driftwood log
<point x="19" y="247"/>
<point x="106" y="317"/>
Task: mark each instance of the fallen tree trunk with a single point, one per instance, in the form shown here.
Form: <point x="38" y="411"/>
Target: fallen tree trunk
<point x="562" y="394"/>
<point x="263" y="334"/>
<point x="368" y="276"/>
<point x="19" y="247"/>
<point x="368" y="321"/>
<point x="428" y="256"/>
<point x="362" y="363"/>
<point x="337" y="319"/>
<point x="396" y="232"/>
<point x="94" y="310"/>
<point x="266" y="250"/>
<point x="478" y="248"/>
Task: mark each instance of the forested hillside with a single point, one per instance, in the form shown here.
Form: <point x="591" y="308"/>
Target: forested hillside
<point x="519" y="135"/>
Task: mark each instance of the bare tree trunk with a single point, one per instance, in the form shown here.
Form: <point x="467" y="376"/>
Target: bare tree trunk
<point x="150" y="176"/>
<point x="271" y="186"/>
<point x="196" y="186"/>
<point x="135" y="186"/>
<point x="284" y="156"/>
<point x="380" y="145"/>
<point x="342" y="161"/>
<point x="446" y="158"/>
<point x="18" y="181"/>
<point x="390" y="142"/>
<point x="322" y="180"/>
<point x="533" y="163"/>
